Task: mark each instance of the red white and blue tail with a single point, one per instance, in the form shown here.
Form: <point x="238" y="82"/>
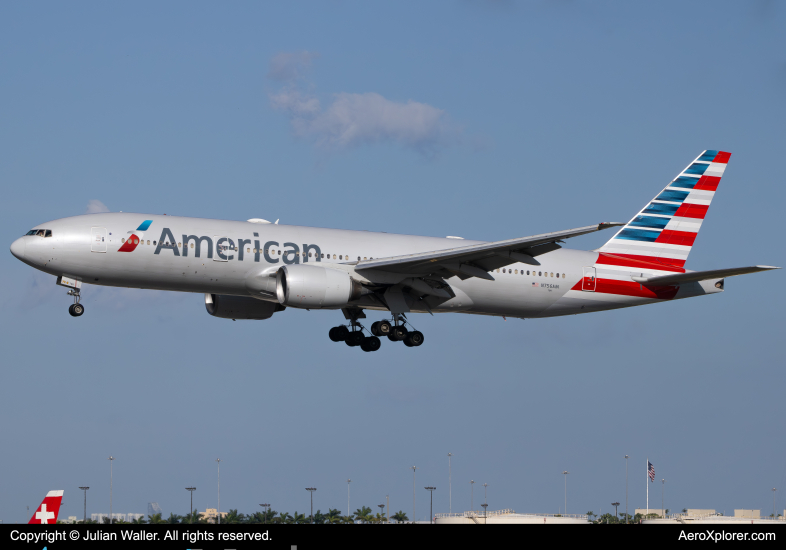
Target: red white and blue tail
<point x="665" y="230"/>
<point x="48" y="509"/>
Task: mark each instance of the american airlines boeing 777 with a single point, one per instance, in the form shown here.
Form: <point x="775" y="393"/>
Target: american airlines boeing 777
<point x="253" y="269"/>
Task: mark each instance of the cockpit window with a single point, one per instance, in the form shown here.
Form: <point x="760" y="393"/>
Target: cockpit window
<point x="40" y="232"/>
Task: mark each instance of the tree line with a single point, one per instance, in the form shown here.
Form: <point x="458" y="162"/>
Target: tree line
<point x="362" y="515"/>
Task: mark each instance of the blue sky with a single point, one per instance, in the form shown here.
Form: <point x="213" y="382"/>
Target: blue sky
<point x="488" y="120"/>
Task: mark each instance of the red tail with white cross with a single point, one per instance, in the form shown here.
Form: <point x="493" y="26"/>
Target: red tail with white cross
<point x="50" y="506"/>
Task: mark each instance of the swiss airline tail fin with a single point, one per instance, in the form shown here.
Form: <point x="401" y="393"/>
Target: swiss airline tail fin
<point x="665" y="229"/>
<point x="48" y="509"/>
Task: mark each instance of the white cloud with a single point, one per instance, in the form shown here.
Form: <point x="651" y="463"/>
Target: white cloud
<point x="289" y="66"/>
<point x="95" y="207"/>
<point x="351" y="120"/>
<point x="357" y="119"/>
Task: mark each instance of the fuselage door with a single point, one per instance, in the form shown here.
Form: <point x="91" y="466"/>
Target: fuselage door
<point x="98" y="239"/>
<point x="222" y="249"/>
<point x="588" y="282"/>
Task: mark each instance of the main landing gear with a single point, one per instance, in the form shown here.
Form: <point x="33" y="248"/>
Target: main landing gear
<point x="76" y="309"/>
<point x="394" y="332"/>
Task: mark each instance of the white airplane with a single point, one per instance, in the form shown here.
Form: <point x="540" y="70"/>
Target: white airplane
<point x="48" y="509"/>
<point x="253" y="269"/>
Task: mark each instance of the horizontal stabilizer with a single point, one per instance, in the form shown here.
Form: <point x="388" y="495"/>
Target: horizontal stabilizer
<point x="692" y="276"/>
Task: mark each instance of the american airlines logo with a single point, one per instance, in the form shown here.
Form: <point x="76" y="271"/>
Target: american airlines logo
<point x="226" y="248"/>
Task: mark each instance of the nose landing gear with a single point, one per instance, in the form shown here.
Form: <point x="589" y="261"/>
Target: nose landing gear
<point x="76" y="309"/>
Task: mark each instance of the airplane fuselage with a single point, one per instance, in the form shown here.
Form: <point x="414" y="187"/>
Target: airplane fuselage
<point x="218" y="257"/>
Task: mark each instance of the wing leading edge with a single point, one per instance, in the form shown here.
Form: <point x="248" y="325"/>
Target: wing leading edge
<point x="477" y="260"/>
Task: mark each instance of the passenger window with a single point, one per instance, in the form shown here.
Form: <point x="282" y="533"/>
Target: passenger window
<point x="540" y="274"/>
<point x="48" y="233"/>
<point x="563" y="275"/>
<point x="358" y="258"/>
<point x="503" y="270"/>
<point x="527" y="272"/>
<point x="192" y="246"/>
<point x="248" y="250"/>
<point x="340" y="256"/>
<point x="498" y="271"/>
<point x="334" y="256"/>
<point x="178" y="245"/>
<point x="552" y="273"/>
<point x="321" y="255"/>
<point x="279" y="253"/>
<point x="122" y="240"/>
<point x="517" y="272"/>
<point x="363" y="258"/>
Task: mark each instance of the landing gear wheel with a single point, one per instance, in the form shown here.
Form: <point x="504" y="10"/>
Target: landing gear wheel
<point x="71" y="310"/>
<point x="399" y="333"/>
<point x="370" y="343"/>
<point x="413" y="339"/>
<point x="338" y="334"/>
<point x="79" y="309"/>
<point x="383" y="328"/>
<point x="354" y="339"/>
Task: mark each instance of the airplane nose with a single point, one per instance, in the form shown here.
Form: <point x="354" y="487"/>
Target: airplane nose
<point x="18" y="248"/>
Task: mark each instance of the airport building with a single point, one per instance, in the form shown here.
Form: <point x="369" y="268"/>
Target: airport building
<point x="496" y="517"/>
<point x="211" y="514"/>
<point x="711" y="517"/>
<point x="116" y="517"/>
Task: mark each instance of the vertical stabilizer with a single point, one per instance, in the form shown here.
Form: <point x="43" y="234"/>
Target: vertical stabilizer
<point x="666" y="228"/>
<point x="48" y="509"/>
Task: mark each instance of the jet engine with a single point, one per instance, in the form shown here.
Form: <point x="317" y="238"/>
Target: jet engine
<point x="240" y="307"/>
<point x="313" y="287"/>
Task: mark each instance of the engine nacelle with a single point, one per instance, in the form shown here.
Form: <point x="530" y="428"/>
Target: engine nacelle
<point x="315" y="287"/>
<point x="240" y="307"/>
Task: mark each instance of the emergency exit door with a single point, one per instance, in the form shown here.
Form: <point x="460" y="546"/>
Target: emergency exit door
<point x="98" y="239"/>
<point x="588" y="282"/>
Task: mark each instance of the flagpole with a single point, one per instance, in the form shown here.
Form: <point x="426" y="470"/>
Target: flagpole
<point x="648" y="485"/>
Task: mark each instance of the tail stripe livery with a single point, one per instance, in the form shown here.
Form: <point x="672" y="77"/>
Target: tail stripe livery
<point x="664" y="231"/>
<point x="48" y="509"/>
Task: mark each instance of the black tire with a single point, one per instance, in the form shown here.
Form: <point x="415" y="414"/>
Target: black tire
<point x="354" y="339"/>
<point x="392" y="338"/>
<point x="414" y="339"/>
<point x="384" y="328"/>
<point x="338" y="334"/>
<point x="399" y="332"/>
<point x="374" y="328"/>
<point x="71" y="310"/>
<point x="79" y="309"/>
<point x="370" y="343"/>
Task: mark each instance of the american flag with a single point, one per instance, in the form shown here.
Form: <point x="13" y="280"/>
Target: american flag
<point x="650" y="471"/>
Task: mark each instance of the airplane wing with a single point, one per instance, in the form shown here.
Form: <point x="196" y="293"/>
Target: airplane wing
<point x="477" y="260"/>
<point x="691" y="276"/>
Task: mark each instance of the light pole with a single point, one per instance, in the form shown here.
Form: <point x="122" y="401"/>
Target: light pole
<point x="263" y="507"/>
<point x="472" y="495"/>
<point x="626" y="489"/>
<point x="84" y="489"/>
<point x="662" y="491"/>
<point x="615" y="504"/>
<point x="773" y="502"/>
<point x="381" y="509"/>
<point x="485" y="506"/>
<point x="565" y="473"/>
<point x="348" y="482"/>
<point x="414" y="469"/>
<point x="485" y="492"/>
<point x="431" y="509"/>
<point x="191" y="510"/>
<point x="111" y="459"/>
<point x="218" y="510"/>
<point x="311" y="490"/>
<point x="450" y="486"/>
